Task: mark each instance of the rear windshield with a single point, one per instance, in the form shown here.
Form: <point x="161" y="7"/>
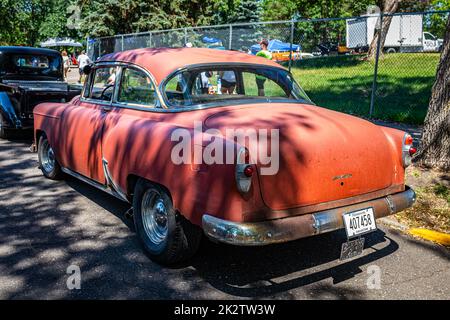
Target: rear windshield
<point x="213" y="85"/>
<point x="24" y="65"/>
<point x="38" y="62"/>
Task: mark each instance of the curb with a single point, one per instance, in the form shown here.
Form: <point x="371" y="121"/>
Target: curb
<point x="393" y="223"/>
<point x="426" y="234"/>
<point x="438" y="237"/>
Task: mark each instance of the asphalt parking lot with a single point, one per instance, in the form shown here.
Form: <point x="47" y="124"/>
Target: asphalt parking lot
<point x="47" y="226"/>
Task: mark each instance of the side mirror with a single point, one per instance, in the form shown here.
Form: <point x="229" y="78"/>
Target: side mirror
<point x="87" y="69"/>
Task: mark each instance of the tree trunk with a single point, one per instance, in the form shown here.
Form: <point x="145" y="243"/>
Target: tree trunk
<point x="434" y="148"/>
<point x="390" y="7"/>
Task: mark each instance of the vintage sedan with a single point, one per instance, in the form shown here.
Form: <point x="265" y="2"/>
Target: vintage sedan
<point x="162" y="128"/>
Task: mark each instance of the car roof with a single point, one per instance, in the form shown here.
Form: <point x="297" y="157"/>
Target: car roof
<point x="28" y="50"/>
<point x="161" y="62"/>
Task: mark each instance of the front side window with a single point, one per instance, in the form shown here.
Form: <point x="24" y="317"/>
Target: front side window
<point x="429" y="36"/>
<point x="136" y="88"/>
<point x="227" y="85"/>
<point x="103" y="82"/>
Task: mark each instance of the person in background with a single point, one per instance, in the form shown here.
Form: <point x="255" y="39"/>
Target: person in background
<point x="112" y="78"/>
<point x="265" y="53"/>
<point x="83" y="60"/>
<point x="66" y="63"/>
<point x="228" y="82"/>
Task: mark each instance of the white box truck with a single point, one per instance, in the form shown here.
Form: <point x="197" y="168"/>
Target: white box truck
<point x="405" y="34"/>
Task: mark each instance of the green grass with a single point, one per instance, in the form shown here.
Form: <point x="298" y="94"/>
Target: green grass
<point x="344" y="83"/>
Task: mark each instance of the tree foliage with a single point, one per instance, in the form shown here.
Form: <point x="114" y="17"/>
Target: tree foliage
<point x="27" y="22"/>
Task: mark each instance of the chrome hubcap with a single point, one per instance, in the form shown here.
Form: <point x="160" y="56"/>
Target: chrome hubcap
<point x="48" y="157"/>
<point x="154" y="217"/>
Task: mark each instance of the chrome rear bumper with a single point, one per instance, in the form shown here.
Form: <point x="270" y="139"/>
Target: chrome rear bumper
<point x="301" y="226"/>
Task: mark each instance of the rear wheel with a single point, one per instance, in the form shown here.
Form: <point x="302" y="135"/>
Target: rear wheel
<point x="47" y="160"/>
<point x="167" y="237"/>
<point x="391" y="50"/>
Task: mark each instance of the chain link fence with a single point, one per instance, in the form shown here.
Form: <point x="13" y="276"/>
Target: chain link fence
<point x="329" y="57"/>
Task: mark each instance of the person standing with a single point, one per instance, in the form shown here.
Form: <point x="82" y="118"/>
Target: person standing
<point x="265" y="53"/>
<point x="66" y="63"/>
<point x="228" y="82"/>
<point x="83" y="60"/>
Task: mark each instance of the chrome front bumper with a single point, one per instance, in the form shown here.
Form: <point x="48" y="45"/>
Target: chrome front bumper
<point x="301" y="226"/>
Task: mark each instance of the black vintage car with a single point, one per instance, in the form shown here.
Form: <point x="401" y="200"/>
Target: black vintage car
<point x="29" y="76"/>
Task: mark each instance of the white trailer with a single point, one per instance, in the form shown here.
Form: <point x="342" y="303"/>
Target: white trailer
<point x="405" y="34"/>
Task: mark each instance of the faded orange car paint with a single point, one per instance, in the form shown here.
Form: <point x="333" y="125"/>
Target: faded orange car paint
<point x="327" y="159"/>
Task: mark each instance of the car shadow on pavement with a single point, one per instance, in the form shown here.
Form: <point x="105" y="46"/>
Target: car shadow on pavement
<point x="262" y="271"/>
<point x="265" y="271"/>
<point x="270" y="270"/>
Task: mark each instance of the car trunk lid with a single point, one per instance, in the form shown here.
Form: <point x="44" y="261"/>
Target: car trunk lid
<point x="323" y="155"/>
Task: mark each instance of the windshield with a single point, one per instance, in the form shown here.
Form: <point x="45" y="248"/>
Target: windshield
<point x="212" y="85"/>
<point x="26" y="65"/>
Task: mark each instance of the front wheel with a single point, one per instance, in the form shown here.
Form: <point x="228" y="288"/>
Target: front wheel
<point x="3" y="130"/>
<point x="167" y="237"/>
<point x="47" y="160"/>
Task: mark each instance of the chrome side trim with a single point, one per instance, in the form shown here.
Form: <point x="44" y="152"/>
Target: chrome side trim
<point x="93" y="183"/>
<point x="301" y="226"/>
<point x="110" y="181"/>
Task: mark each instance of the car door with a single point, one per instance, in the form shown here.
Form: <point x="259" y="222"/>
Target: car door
<point x="429" y="43"/>
<point x="83" y="122"/>
<point x="129" y="125"/>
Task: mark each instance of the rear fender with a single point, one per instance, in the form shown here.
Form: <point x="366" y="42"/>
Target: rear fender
<point x="144" y="149"/>
<point x="46" y="120"/>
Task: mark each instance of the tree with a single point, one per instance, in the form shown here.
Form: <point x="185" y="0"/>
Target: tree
<point x="248" y="11"/>
<point x="111" y="17"/>
<point x="55" y="23"/>
<point x="434" y="148"/>
<point x="390" y="7"/>
<point x="436" y="22"/>
<point x="224" y="11"/>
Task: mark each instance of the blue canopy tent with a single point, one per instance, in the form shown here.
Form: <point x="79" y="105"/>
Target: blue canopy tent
<point x="207" y="39"/>
<point x="213" y="43"/>
<point x="276" y="45"/>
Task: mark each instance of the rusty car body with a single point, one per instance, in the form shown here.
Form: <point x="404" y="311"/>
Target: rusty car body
<point x="118" y="136"/>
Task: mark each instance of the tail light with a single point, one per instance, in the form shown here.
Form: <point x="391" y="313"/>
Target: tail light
<point x="407" y="150"/>
<point x="244" y="171"/>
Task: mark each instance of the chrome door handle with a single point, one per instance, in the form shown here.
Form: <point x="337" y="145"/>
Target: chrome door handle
<point x="106" y="108"/>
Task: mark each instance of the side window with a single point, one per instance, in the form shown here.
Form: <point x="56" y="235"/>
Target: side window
<point x="103" y="82"/>
<point x="260" y="85"/>
<point x="176" y="89"/>
<point x="429" y="36"/>
<point x="136" y="88"/>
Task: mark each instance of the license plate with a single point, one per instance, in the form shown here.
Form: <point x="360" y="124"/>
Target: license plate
<point x="352" y="248"/>
<point x="359" y="222"/>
